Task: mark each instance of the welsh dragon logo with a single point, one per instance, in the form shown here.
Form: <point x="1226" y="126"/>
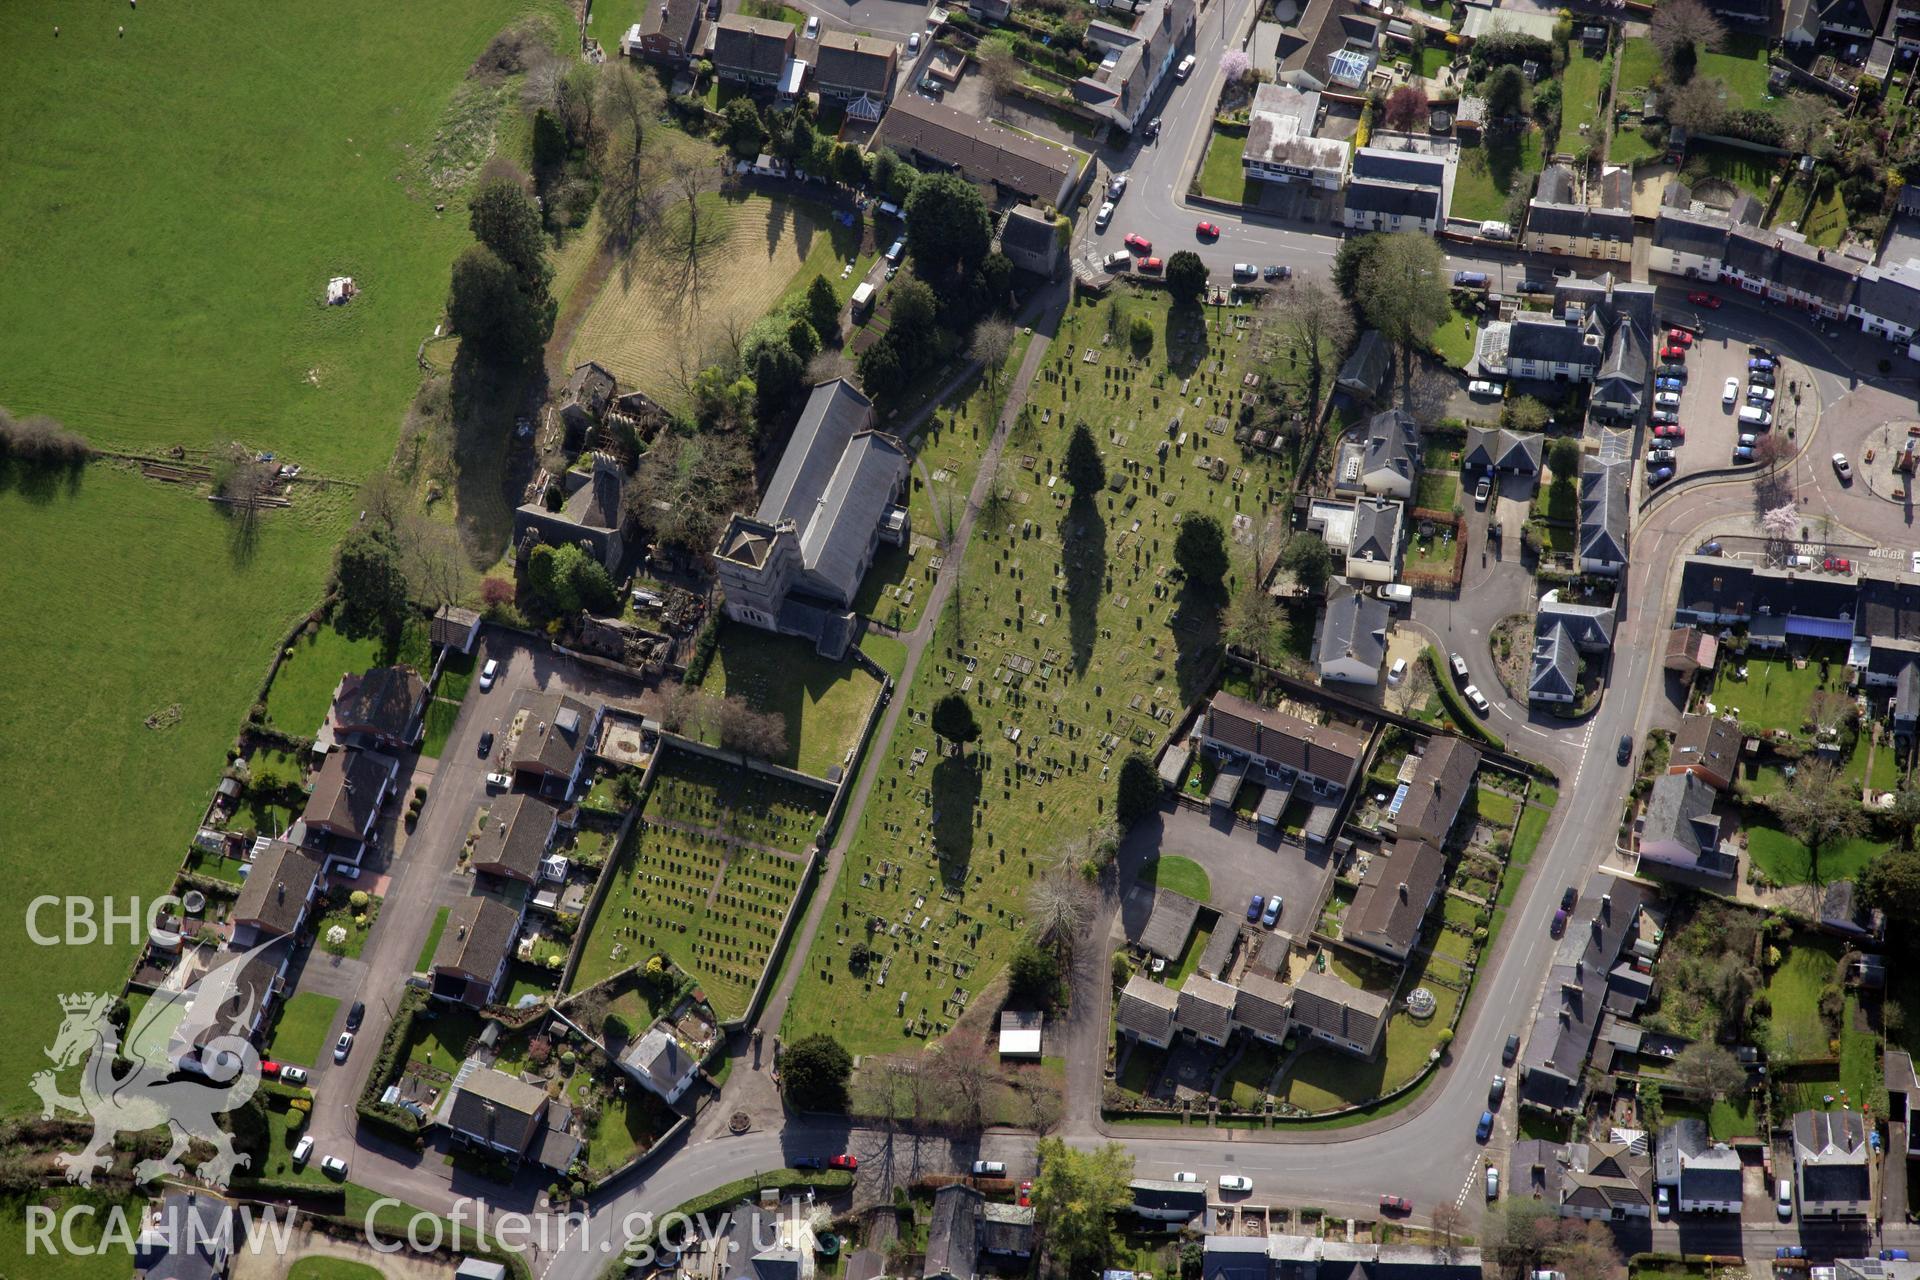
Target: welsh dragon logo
<point x="186" y="1060"/>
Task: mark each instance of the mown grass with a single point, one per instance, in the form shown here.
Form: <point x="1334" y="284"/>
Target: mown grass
<point x="1794" y="1025"/>
<point x="1580" y="88"/>
<point x="1222" y="176"/>
<point x="300" y="1035"/>
<point x="823" y="703"/>
<point x="1176" y="874"/>
<point x="1787" y="861"/>
<point x="1491" y="171"/>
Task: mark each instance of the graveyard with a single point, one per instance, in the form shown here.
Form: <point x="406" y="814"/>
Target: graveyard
<point x="706" y="876"/>
<point x="1075" y="642"/>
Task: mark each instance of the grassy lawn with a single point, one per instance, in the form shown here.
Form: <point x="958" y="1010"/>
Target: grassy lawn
<point x="1580" y="87"/>
<point x="1825" y="223"/>
<point x="1068" y="631"/>
<point x="1859" y="1055"/>
<point x="1439" y="478"/>
<point x="1628" y="147"/>
<point x="331" y="1269"/>
<point x="300" y="1036"/>
<point x="1453" y="340"/>
<point x="1787" y="861"/>
<point x="433" y="940"/>
<point x="1196" y="947"/>
<point x="1639" y="62"/>
<point x="1246" y="1083"/>
<point x="706" y="877"/>
<point x="1178" y="875"/>
<point x="344" y="916"/>
<point x="441" y="713"/>
<point x="1742" y="65"/>
<point x="627" y="1125"/>
<point x="1796" y="1030"/>
<point x="1496" y="807"/>
<point x="1491" y="171"/>
<point x="891" y="654"/>
<point x="96" y="1256"/>
<point x="1221" y="174"/>
<point x="824" y="703"/>
<point x="1774" y="695"/>
<point x="303" y="687"/>
<point x="224" y="869"/>
<point x="1748" y="170"/>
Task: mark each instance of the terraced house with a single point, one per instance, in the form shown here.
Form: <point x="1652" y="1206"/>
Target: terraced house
<point x="751" y="51"/>
<point x="857" y="69"/>
<point x="1135" y="61"/>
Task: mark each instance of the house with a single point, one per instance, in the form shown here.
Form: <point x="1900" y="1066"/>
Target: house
<point x="661" y="1063"/>
<point x="1168" y="925"/>
<point x="1620" y="388"/>
<point x="1780" y="265"/>
<point x="1807" y="21"/>
<point x="1561" y="220"/>
<point x="1390" y="189"/>
<point x="1146" y="1011"/>
<point x="1168" y="1201"/>
<point x="514" y="837"/>
<point x="838" y="493"/>
<point x="454" y="628"/>
<point x="384" y="708"/>
<point x="1496" y="450"/>
<point x="1903" y="1090"/>
<point x="1702" y="1176"/>
<point x="1135" y="62"/>
<point x="277" y="894"/>
<point x="1395" y="894"/>
<point x="1680" y="832"/>
<point x="953" y="1234"/>
<point x="1006" y="1230"/>
<point x="1562" y="634"/>
<point x="1032" y="240"/>
<point x="585" y="398"/>
<point x="1390" y="461"/>
<point x="1552" y="348"/>
<point x="1691" y="650"/>
<point x="1426" y="805"/>
<point x="591" y="514"/>
<point x="470" y="960"/>
<point x="1830" y="1160"/>
<point x="1604" y="503"/>
<point x="1338" y="1014"/>
<point x="1367" y="369"/>
<point x="1281" y="147"/>
<point x="1886" y="301"/>
<point x="751" y="51"/>
<point x="667" y="34"/>
<point x="1352" y="642"/>
<point x="852" y="66"/>
<point x="1708" y="747"/>
<point x="1205" y="1009"/>
<point x="934" y="135"/>
<point x="1773" y="604"/>
<point x="1020" y="1033"/>
<point x="1606" y="1180"/>
<point x="1261" y="1256"/>
<point x="1614" y="925"/>
<point x="1373" y="548"/>
<point x="554" y="742"/>
<point x="344" y="806"/>
<point x="186" y="1235"/>
<point x="1262" y="1006"/>
<point x="1326" y="757"/>
<point x="508" y="1116"/>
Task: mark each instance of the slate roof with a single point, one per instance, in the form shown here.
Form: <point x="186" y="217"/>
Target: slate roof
<point x="835" y="542"/>
<point x="1028" y="230"/>
<point x="519" y="828"/>
<point x="191" y="1237"/>
<point x="1399" y="166"/>
<point x="1590" y="626"/>
<point x="1169" y="924"/>
<point x="1891" y="293"/>
<point x="500" y="1108"/>
<point x="1889" y="606"/>
<point x="476" y="938"/>
<point x="1146" y="1008"/>
<point x="835" y="412"/>
<point x="451" y="625"/>
<point x="1393" y="444"/>
<point x="1124" y="85"/>
<point x="1906" y="697"/>
<point x="1321" y="751"/>
<point x="1621" y="383"/>
<point x="1555" y="673"/>
<point x="1440" y="783"/>
<point x="675" y="19"/>
<point x="777" y="1264"/>
<point x="1555" y="185"/>
<point x="1683" y="231"/>
<point x="1152" y="1193"/>
<point x="1261" y="1004"/>
<point x="757" y="46"/>
<point x="275" y="891"/>
<point x="1355" y="627"/>
<point x="1604" y="1176"/>
<point x="1578" y="986"/>
<point x="1679" y="816"/>
<point x="1402" y="199"/>
<point x="1006" y="1228"/>
<point x="1533" y="336"/>
<point x="346" y="790"/>
<point x="657" y="1057"/>
<point x="1206" y="1006"/>
<point x="1330" y="1004"/>
<point x="1710" y="742"/>
<point x="1371" y="361"/>
<point x="848" y="60"/>
<point x="381" y="701"/>
<point x="555" y="737"/>
<point x="953" y="1235"/>
<point x="591" y="387"/>
<point x="1604" y="509"/>
<point x="1687" y="1157"/>
<point x="982" y="151"/>
<point x="1830" y="1150"/>
<point x="1496" y="448"/>
<point x="1391" y="902"/>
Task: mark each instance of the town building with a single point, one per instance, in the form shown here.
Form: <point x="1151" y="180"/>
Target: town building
<point x="1159" y="1201"/>
<point x="1135" y="61"/>
<point x="554" y="741"/>
<point x="1281" y="146"/>
<point x="384" y="708"/>
<point x="1608" y="1181"/>
<point x="1366" y="371"/>
<point x="509" y="1117"/>
<point x="514" y="837"/>
<point x="1228" y="1256"/>
<point x="1498" y="451"/>
<point x="1351" y="644"/>
<point x="1830" y="1159"/>
<point x="1564" y="637"/>
<point x="343" y="809"/>
<point x="1146" y="1011"/>
<point x="936" y="136"/>
<point x="1205" y="1009"/>
<point x="856" y="68"/>
<point x="1032" y="240"/>
<point x="1394" y="190"/>
<point x="185" y="1235"/>
<point x="667" y="34"/>
<point x="1426" y="805"/>
<point x="661" y="1063"/>
<point x="1563" y="220"/>
<point x="1708" y="747"/>
<point x="1701" y="1175"/>
<point x="751" y="51"/>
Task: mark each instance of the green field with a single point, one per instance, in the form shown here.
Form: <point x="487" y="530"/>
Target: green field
<point x="300" y="1036"/>
<point x="1221" y="175"/>
<point x="1787" y="861"/>
<point x="179" y="196"/>
<point x="1742" y="67"/>
<point x="1176" y="874"/>
<point x="823" y="703"/>
<point x="1068" y="631"/>
<point x="1490" y="172"/>
<point x="107" y="650"/>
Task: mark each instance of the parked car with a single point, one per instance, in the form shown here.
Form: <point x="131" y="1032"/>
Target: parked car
<point x="1025" y="1197"/>
<point x="1731" y="392"/>
<point x="487" y="674"/>
<point x="1482" y="491"/>
<point x="1843" y="468"/>
<point x="989" y="1169"/>
<point x="1102" y="218"/>
<point x="849" y="1163"/>
<point x="1783" y="1199"/>
<point x="1117" y="188"/>
<point x="913" y="43"/>
<point x="1743" y="453"/>
<point x="1395" y="1204"/>
<point x="1184" y="70"/>
<point x="1256" y="906"/>
<point x="1710" y="547"/>
<point x="1186" y="1175"/>
<point x="334" y="1167"/>
<point x="813" y="27"/>
<point x="1837" y="564"/>
<point x="809" y="1162"/>
<point x="356" y="1015"/>
<point x="1673" y="353"/>
<point x="1458" y="665"/>
<point x="1761" y="364"/>
<point x="1558" y="925"/>
<point x="1271" y="916"/>
<point x="499" y="781"/>
<point x="1207" y="230"/>
<point x="896" y="251"/>
<point x="1671" y="431"/>
<point x="1623" y="754"/>
<point x="1747" y="440"/>
<point x="1496" y="1092"/>
<point x="1470" y="279"/>
<point x="1785" y="1250"/>
<point x="1153" y="128"/>
<point x="1672" y="371"/>
<point x="1663" y="1200"/>
<point x="486" y="744"/>
<point x="1759" y="394"/>
<point x="1119" y="260"/>
<point x="270" y="1069"/>
<point x="1666" y="384"/>
<point x="1760" y="377"/>
<point x="343" y="1046"/>
<point x="1278" y="271"/>
<point x="1680" y="337"/>
<point x="1893" y="1255"/>
<point x="1659" y="477"/>
<point x="1509" y="1054"/>
<point x="1759" y="349"/>
<point x="1235" y="1182"/>
<point x="302" y="1150"/>
<point x="1245" y="271"/>
<point x="1669" y="398"/>
<point x="293" y="1075"/>
<point x="1150" y="264"/>
<point x="1535" y="286"/>
<point x="1493" y="1182"/>
<point x="1478" y="700"/>
<point x="1138" y="243"/>
<point x="1481" y="387"/>
<point x="1661" y="456"/>
<point x="1665" y="418"/>
<point x="1752" y="415"/>
<point x="1706" y="300"/>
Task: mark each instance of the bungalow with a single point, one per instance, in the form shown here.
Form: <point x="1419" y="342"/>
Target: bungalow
<point x="1339" y="1014"/>
<point x="277" y="894"/>
<point x="1390" y="462"/>
<point x="1680" y="832"/>
<point x="1426" y="805"/>
<point x="1146" y="1011"/>
<point x="1606" y="1180"/>
<point x="1352" y="642"/>
<point x="1830" y="1160"/>
<point x="667" y="32"/>
<point x="1562" y="633"/>
<point x="1708" y="747"/>
<point x="508" y="1116"/>
<point x="557" y="738"/>
<point x="1604" y="502"/>
<point x="1496" y="450"/>
<point x="1395" y="894"/>
<point x="661" y="1063"/>
<point x="1168" y="1201"/>
<point x="383" y="708"/>
<point x="1703" y="1176"/>
<point x="854" y="67"/>
<point x="751" y="51"/>
<point x="344" y="805"/>
<point x="470" y="960"/>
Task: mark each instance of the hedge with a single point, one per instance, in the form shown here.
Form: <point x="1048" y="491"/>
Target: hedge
<point x="732" y="1193"/>
<point x="403" y="1122"/>
<point x="1463" y="715"/>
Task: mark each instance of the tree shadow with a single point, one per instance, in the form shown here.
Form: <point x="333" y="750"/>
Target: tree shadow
<point x="40" y="482"/>
<point x="1184" y="355"/>
<point x="1196" y="639"/>
<point x="957" y="781"/>
<point x="490" y="471"/>
<point x="1083" y="543"/>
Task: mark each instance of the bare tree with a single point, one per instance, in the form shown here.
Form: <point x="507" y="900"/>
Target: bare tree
<point x="1589" y="1254"/>
<point x="1682" y="29"/>
<point x="1320" y="321"/>
<point x="999" y="65"/>
<point x="688" y="485"/>
<point x="435" y="562"/>
<point x="741" y="728"/>
<point x="1804" y="120"/>
<point x="243" y="483"/>
<point x="576" y="98"/>
<point x="1708" y="1070"/>
<point x="1447" y="1221"/>
<point x="1829" y="709"/>
<point x="692" y="177"/>
<point x="828" y="364"/>
<point x="992" y="340"/>
<point x="1698" y="105"/>
<point x="1820" y="808"/>
<point x="1256" y="622"/>
<point x="965" y="1076"/>
<point x="1060" y="907"/>
<point x="679" y="708"/>
<point x="628" y="102"/>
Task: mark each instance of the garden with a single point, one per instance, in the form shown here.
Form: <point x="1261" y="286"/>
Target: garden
<point x="1491" y="172"/>
<point x="706" y="877"/>
<point x="823" y="703"/>
<point x="310" y="670"/>
<point x="1074" y="641"/>
<point x="1222" y="173"/>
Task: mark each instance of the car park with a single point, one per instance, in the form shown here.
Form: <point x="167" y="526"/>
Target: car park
<point x="1138" y="243"/>
<point x="1665" y="418"/>
<point x="1660" y="456"/>
<point x="1843" y="468"/>
<point x="1496" y="1092"/>
<point x="293" y="1075"/>
<point x="1731" y="392"/>
<point x="1493" y="1182"/>
<point x="487" y="674"/>
<point x="343" y="1046"/>
<point x="1102" y="218"/>
<point x="1481" y="387"/>
<point x="334" y="1167"/>
<point x="1623" y="754"/>
<point x="1706" y="300"/>
<point x="1117" y="188"/>
<point x="1395" y="1204"/>
<point x="1235" y="1182"/>
<point x="1207" y="230"/>
<point x="1271" y="916"/>
<point x="1256" y="906"/>
<point x="1478" y="700"/>
<point x="1760" y="378"/>
<point x="302" y="1150"/>
<point x="1511" y="1053"/>
<point x="989" y="1169"/>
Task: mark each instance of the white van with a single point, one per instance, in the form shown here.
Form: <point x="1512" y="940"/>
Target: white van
<point x="1754" y="415"/>
<point x="1184" y="70"/>
<point x="863" y="296"/>
<point x="1396" y="673"/>
<point x="1396" y="593"/>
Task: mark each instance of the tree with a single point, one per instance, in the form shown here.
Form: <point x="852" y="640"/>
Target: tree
<point x="1681" y="30"/>
<point x="1406" y="108"/>
<point x="724" y="399"/>
<point x="741" y="728"/>
<point x="688" y="485"/>
<point x="1804" y="120"/>
<point x="1830" y="710"/>
<point x="1138" y="790"/>
<point x="1515" y="1234"/>
<point x="1447" y="1222"/>
<point x="953" y="720"/>
<point x="1564" y="459"/>
<point x="577" y="98"/>
<point x="1506" y="93"/>
<point x="1589" y="1255"/>
<point x="741" y="130"/>
<point x="768" y="357"/>
<point x="1350" y="262"/>
<point x="1076" y="1197"/>
<point x="1781" y="523"/>
<point x="1186" y="278"/>
<point x="372" y="589"/>
<point x="814" y="1071"/>
<point x="849" y="165"/>
<point x="1317" y="322"/>
<point x="823" y="310"/>
<point x="992" y="340"/>
<point x="1773" y="449"/>
<point x="964" y="1074"/>
<point x="692" y="177"/>
<point x="948" y="229"/>
<point x="1820" y="808"/>
<point x="1256" y="622"/>
<point x="1892" y="883"/>
<point x="1234" y="65"/>
<point x="1201" y="553"/>
<point x="1523" y="413"/>
<point x="1403" y="292"/>
<point x="506" y="221"/>
<point x="1000" y="65"/>
<point x="1084" y="469"/>
<point x="1709" y="1070"/>
<point x="1060" y="906"/>
<point x="1698" y="105"/>
<point x="1034" y="974"/>
<point x="1905" y="814"/>
<point x="629" y="102"/>
<point x="497" y="317"/>
<point x="1306" y="555"/>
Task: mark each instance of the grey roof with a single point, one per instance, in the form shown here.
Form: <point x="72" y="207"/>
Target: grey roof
<point x="1906" y="697"/>
<point x="778" y="1264"/>
<point x="1329" y="1003"/>
<point x="1151" y="1193"/>
<point x="1498" y="449"/>
<point x="476" y="938"/>
<point x="1146" y="1008"/>
<point x="1590" y="626"/>
<point x="836" y="411"/>
<point x="1404" y="199"/>
<point x="1710" y="742"/>
<point x="1368" y="366"/>
<point x="1441" y="780"/>
<point x="1169" y="924"/>
<point x="275" y="892"/>
<point x="1578" y="986"/>
<point x="982" y="151"/>
<point x="1891" y="293"/>
<point x="1399" y="166"/>
<point x="191" y="1237"/>
<point x="676" y="20"/>
<point x="1280" y="130"/>
<point x="1687" y="1157"/>
<point x="1555" y="185"/>
<point x="1261" y="1003"/>
<point x="1555" y="673"/>
<point x="953" y="1235"/>
<point x="515" y="837"/>
<point x="555" y="736"/>
<point x="500" y="1108"/>
<point x="1206" y="1006"/>
<point x="383" y="701"/>
<point x="1006" y="1228"/>
<point x="1393" y="444"/>
<point x="1231" y="1257"/>
<point x="1679" y="818"/>
<point x="1391" y="903"/>
<point x="1533" y="336"/>
<point x="758" y="46"/>
<point x="1123" y="86"/>
<point x="659" y="1058"/>
<point x="1621" y="383"/>
<point x="1830" y="1150"/>
<point x="591" y="387"/>
<point x="1889" y="604"/>
<point x="452" y="625"/>
<point x="848" y="60"/>
<point x="1605" y="1176"/>
<point x="1376" y="532"/>
<point x="346" y="791"/>
<point x="836" y="540"/>
<point x="1321" y="751"/>
<point x="1604" y="509"/>
<point x="1355" y="626"/>
<point x="1028" y="230"/>
<point x="1684" y="231"/>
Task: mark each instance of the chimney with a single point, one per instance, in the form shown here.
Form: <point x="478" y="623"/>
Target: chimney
<point x="1606" y="905"/>
<point x="281" y="891"/>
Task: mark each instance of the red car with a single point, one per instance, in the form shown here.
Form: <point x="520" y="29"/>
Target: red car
<point x="1026" y="1195"/>
<point x="1139" y="244"/>
<point x="849" y="1163"/>
<point x="1208" y="230"/>
<point x="1673" y="353"/>
<point x="1150" y="264"/>
<point x="1837" y="564"/>
<point x="1671" y="431"/>
<point x="270" y="1069"/>
<point x="1706" y="300"/>
<point x="1395" y="1204"/>
<point x="1680" y="336"/>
